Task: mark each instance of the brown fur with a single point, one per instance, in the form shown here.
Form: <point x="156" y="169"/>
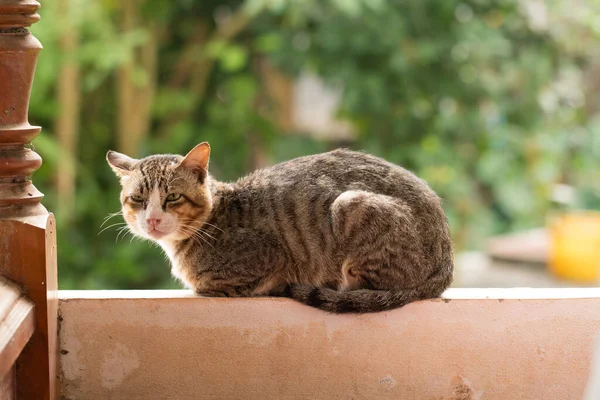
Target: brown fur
<point x="343" y="231"/>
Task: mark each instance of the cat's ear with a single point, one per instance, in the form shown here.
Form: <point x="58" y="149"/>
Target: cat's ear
<point x="197" y="158"/>
<point x="120" y="163"/>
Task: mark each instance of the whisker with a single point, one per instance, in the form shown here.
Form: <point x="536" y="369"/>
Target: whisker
<point x="120" y="231"/>
<point x="201" y="234"/>
<point x="204" y="240"/>
<point x="111" y="215"/>
<point x="206" y="233"/>
<point x="200" y="224"/>
<point x="110" y="226"/>
<point x="124" y="229"/>
<point x="194" y="234"/>
<point x="214" y="226"/>
<point x="197" y="227"/>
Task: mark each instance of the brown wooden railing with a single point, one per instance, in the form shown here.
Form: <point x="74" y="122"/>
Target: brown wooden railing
<point x="17" y="324"/>
<point x="28" y="369"/>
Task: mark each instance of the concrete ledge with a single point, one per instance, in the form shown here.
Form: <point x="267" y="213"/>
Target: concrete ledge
<point x="473" y="344"/>
<point x="452" y="294"/>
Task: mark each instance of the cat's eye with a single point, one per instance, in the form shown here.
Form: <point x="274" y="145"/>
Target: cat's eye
<point x="136" y="199"/>
<point x="173" y="197"/>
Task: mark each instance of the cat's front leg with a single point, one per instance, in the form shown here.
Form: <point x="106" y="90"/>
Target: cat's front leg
<point x="244" y="263"/>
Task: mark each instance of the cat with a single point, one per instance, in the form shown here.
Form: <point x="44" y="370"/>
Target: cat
<point x="342" y="231"/>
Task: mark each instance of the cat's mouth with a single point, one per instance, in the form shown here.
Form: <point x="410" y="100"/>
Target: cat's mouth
<point x="156" y="234"/>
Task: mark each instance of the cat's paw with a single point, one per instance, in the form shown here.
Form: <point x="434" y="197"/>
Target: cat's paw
<point x="211" y="293"/>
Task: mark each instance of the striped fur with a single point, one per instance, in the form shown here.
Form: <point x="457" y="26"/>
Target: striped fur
<point x="342" y="231"/>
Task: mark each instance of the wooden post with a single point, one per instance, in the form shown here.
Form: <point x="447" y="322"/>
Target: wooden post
<point x="27" y="230"/>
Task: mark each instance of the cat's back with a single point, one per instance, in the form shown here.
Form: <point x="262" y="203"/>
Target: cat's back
<point x="291" y="202"/>
<point x="334" y="172"/>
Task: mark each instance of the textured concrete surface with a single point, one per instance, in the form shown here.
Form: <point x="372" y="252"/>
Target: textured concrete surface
<point x="474" y="344"/>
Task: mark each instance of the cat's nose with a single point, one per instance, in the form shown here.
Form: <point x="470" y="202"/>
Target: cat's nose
<point x="153" y="222"/>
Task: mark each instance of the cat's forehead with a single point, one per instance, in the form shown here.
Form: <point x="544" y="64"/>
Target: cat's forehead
<point x="158" y="165"/>
<point x="151" y="172"/>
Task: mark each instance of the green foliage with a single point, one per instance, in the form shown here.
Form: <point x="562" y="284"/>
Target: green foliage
<point x="484" y="104"/>
<point x="454" y="90"/>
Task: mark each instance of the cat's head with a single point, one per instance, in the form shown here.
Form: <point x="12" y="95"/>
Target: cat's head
<point x="164" y="197"/>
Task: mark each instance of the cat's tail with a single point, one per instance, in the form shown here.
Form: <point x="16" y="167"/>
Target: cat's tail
<point x="367" y="300"/>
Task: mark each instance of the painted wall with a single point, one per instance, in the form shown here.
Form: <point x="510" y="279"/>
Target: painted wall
<point x="169" y="345"/>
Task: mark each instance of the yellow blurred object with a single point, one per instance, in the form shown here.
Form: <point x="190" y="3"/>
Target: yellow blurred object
<point x="575" y="246"/>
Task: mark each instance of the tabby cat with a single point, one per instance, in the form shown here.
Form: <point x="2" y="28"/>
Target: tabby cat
<point x="343" y="231"/>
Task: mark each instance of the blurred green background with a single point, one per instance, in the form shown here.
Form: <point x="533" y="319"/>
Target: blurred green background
<point x="493" y="102"/>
